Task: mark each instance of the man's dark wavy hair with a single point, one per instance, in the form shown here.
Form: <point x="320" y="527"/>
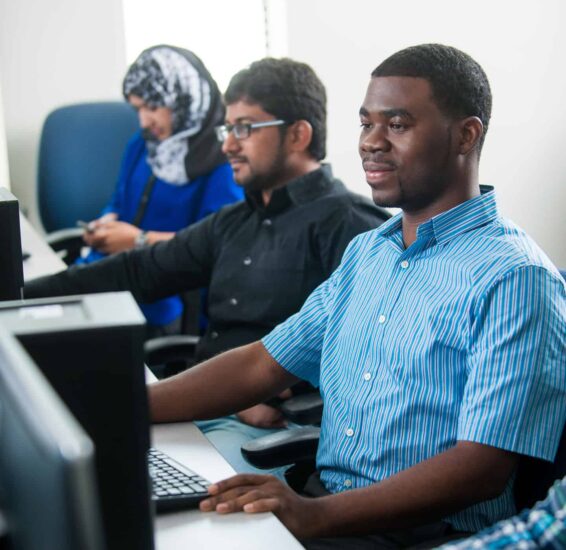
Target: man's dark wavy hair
<point x="288" y="90"/>
<point x="459" y="85"/>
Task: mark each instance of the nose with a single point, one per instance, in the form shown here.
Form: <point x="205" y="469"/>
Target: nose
<point x="374" y="139"/>
<point x="231" y="144"/>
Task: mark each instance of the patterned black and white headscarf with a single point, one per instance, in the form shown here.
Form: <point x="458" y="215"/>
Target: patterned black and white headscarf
<point x="166" y="76"/>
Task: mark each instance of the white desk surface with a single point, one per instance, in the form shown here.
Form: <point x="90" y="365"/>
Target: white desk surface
<point x="43" y="261"/>
<point x="198" y="530"/>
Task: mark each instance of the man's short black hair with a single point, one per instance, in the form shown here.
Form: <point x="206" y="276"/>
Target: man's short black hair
<point x="288" y="90"/>
<point x="459" y="85"/>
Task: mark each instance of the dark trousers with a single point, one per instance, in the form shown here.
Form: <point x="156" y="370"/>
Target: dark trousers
<point x="424" y="536"/>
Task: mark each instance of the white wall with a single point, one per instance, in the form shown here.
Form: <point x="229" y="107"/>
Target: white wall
<point x="4" y="173"/>
<point x="521" y="46"/>
<point x="65" y="51"/>
<point x="53" y="53"/>
<point x="209" y="35"/>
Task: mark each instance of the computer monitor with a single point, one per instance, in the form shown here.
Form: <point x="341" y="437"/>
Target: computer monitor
<point x="90" y="349"/>
<point x="48" y="492"/>
<point x="11" y="267"/>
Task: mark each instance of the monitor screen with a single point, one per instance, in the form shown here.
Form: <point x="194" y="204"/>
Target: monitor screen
<point x="90" y="348"/>
<point x="48" y="492"/>
<point x="11" y="267"/>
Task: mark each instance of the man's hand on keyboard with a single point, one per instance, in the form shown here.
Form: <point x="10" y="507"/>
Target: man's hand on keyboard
<point x="254" y="494"/>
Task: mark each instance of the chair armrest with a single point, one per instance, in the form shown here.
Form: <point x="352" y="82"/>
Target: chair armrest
<point x="282" y="448"/>
<point x="303" y="409"/>
<point x="70" y="241"/>
<point x="60" y="237"/>
<point x="166" y="349"/>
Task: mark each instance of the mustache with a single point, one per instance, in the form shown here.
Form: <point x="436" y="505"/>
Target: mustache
<point x="238" y="158"/>
<point x="377" y="161"/>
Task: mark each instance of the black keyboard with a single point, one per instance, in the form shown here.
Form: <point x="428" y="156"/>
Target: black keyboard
<point x="174" y="486"/>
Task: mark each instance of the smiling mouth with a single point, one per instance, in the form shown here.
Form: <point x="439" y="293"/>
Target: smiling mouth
<point x="377" y="171"/>
<point x="236" y="161"/>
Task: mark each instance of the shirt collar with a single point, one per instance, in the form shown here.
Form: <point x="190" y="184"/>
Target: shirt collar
<point x="301" y="190"/>
<point x="447" y="225"/>
<point x="462" y="218"/>
<point x="391" y="226"/>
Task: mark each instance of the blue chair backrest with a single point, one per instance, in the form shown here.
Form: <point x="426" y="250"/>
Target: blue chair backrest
<point x="79" y="159"/>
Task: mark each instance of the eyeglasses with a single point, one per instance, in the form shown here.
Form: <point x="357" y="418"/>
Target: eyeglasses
<point x="242" y="130"/>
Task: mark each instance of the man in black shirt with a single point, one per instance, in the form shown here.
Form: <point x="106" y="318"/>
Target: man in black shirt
<point x="262" y="257"/>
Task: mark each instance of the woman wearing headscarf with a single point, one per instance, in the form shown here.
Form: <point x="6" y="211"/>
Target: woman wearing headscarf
<point x="173" y="171"/>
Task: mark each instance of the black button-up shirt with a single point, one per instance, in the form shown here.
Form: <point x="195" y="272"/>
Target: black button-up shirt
<point x="259" y="262"/>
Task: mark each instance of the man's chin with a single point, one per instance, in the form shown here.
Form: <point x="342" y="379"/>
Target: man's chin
<point x="241" y="180"/>
<point x="252" y="184"/>
<point x="384" y="200"/>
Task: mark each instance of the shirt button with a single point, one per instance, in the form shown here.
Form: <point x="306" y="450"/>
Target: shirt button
<point x="381" y="319"/>
<point x="233" y="302"/>
<point x="367" y="375"/>
<point x="247" y="260"/>
<point x="214" y="335"/>
<point x="349" y="432"/>
<point x="404" y="264"/>
<point x="266" y="223"/>
<point x="347" y="483"/>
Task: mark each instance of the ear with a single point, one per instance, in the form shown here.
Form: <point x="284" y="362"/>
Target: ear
<point x="470" y="133"/>
<point x="299" y="136"/>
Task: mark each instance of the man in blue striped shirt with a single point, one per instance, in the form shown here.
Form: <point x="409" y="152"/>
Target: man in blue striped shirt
<point x="438" y="343"/>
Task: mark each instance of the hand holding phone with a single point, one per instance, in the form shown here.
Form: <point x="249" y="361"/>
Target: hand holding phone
<point x="86" y="226"/>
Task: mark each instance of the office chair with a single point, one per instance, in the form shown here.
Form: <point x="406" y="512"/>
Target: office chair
<point x="80" y="151"/>
<point x="168" y="355"/>
<point x="297" y="449"/>
<point x="294" y="447"/>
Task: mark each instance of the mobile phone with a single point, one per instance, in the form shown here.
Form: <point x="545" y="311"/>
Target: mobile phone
<point x="86" y="226"/>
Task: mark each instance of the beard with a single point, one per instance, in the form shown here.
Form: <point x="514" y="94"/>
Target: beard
<point x="268" y="179"/>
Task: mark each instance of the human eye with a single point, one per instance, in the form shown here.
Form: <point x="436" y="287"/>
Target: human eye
<point x="241" y="126"/>
<point x="241" y="130"/>
<point x="397" y="124"/>
<point x="365" y="124"/>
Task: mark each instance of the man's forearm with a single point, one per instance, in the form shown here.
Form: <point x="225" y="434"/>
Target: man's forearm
<point x="451" y="481"/>
<point x="106" y="275"/>
<point x="133" y="270"/>
<point x="156" y="236"/>
<point x="227" y="383"/>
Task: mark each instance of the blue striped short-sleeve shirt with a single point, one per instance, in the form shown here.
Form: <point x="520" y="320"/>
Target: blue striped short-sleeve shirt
<point x="461" y="336"/>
